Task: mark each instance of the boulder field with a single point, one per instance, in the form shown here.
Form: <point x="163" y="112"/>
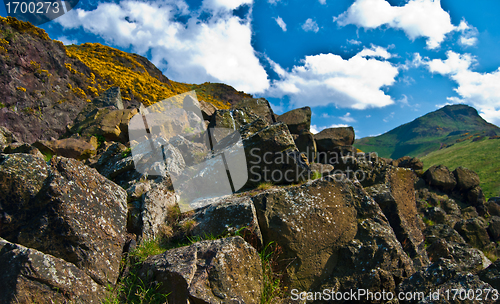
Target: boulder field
<point x="79" y="222"/>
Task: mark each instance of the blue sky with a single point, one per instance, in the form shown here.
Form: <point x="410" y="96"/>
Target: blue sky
<point x="371" y="64"/>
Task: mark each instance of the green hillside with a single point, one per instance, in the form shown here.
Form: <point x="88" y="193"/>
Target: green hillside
<point x="429" y="133"/>
<point x="481" y="156"/>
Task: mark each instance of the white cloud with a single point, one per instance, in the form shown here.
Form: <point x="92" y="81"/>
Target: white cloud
<point x="347" y="118"/>
<point x="481" y="90"/>
<point x="273" y="2"/>
<point x="322" y="2"/>
<point x="469" y="34"/>
<point x="375" y="51"/>
<point x="353" y="41"/>
<point x="417" y="18"/>
<point x="66" y="41"/>
<point x="314" y="129"/>
<point x="310" y="25"/>
<point x="281" y="23"/>
<point x="323" y="79"/>
<point x="215" y="49"/>
<point x="337" y="126"/>
<point x="226" y="4"/>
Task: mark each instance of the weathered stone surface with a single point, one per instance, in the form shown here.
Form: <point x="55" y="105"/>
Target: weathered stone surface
<point x="493" y="206"/>
<point x="30" y="276"/>
<point x="192" y="153"/>
<point x="466" y="257"/>
<point x="257" y="107"/>
<point x="65" y="209"/>
<point x="220" y="271"/>
<point x="408" y="162"/>
<point x="474" y="232"/>
<point x="156" y="204"/>
<point x="229" y="215"/>
<point x="68" y="147"/>
<point x="326" y="230"/>
<point x="442" y="277"/>
<point x="491" y="275"/>
<point x="306" y="144"/>
<point x="475" y="197"/>
<point x="6" y="137"/>
<point x="271" y="156"/>
<point x="396" y="198"/>
<point x="297" y="120"/>
<point x="230" y="119"/>
<point x="324" y="169"/>
<point x="494" y="228"/>
<point x="466" y="179"/>
<point x="445" y="232"/>
<point x="440" y="177"/>
<point x="328" y="139"/>
<point x="207" y="109"/>
<point x="22" y="148"/>
<point x="111" y="97"/>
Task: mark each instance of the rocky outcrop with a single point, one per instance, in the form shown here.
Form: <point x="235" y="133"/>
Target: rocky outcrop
<point x="297" y="120"/>
<point x="326" y="231"/>
<point x="440" y="177"/>
<point x="328" y="139"/>
<point x="228" y="216"/>
<point x="64" y="209"/>
<point x="306" y="144"/>
<point x="258" y="107"/>
<point x="220" y="271"/>
<point x="30" y="276"/>
<point x="68" y="147"/>
<point x="466" y="179"/>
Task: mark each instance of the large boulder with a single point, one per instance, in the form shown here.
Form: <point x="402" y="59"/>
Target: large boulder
<point x="221" y="271"/>
<point x="64" y="209"/>
<point x="396" y="197"/>
<point x="6" y="137"/>
<point x="474" y="232"/>
<point x="228" y="215"/>
<point x="327" y="231"/>
<point x="272" y="157"/>
<point x="328" y="139"/>
<point x="491" y="275"/>
<point x="156" y="205"/>
<point x="494" y="228"/>
<point x="297" y="120"/>
<point x="408" y="162"/>
<point x="68" y="147"/>
<point x="466" y="179"/>
<point x="258" y="107"/>
<point x="439" y="176"/>
<point x="31" y="276"/>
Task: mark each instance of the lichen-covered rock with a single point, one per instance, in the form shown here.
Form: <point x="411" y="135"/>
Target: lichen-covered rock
<point x="272" y="157"/>
<point x="474" y="232"/>
<point x="328" y="139"/>
<point x="231" y="120"/>
<point x="475" y="197"/>
<point x="65" y="209"/>
<point x="440" y="177"/>
<point x="68" y="147"/>
<point x="220" y="271"/>
<point x="324" y="169"/>
<point x="228" y="216"/>
<point x="30" y="276"/>
<point x="396" y="198"/>
<point x="466" y="257"/>
<point x="22" y="148"/>
<point x="156" y="204"/>
<point x="257" y="107"/>
<point x="435" y="282"/>
<point x="494" y="228"/>
<point x="297" y="120"/>
<point x="332" y="234"/>
<point x="408" y="162"/>
<point x="193" y="153"/>
<point x="491" y="275"/>
<point x="466" y="179"/>
<point x="7" y="137"/>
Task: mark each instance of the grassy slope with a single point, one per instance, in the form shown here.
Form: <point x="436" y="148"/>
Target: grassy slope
<point x="480" y="156"/>
<point x="427" y="133"/>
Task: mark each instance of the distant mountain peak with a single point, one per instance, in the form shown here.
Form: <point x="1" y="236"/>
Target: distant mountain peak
<point x="429" y="132"/>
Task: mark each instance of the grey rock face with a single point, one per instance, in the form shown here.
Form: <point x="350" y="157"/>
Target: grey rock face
<point x="220" y="271"/>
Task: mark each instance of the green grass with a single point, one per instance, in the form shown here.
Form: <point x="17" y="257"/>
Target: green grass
<point x="480" y="156"/>
<point x="273" y="290"/>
